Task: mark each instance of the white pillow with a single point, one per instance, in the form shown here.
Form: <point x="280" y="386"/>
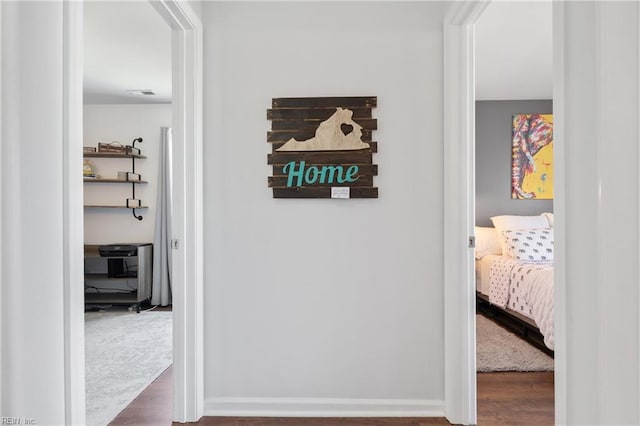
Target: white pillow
<point x="487" y="242"/>
<point x="530" y="245"/>
<point x="549" y="217"/>
<point x="506" y="223"/>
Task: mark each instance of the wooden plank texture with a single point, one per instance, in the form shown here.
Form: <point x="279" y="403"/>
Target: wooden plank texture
<point x="322" y="421"/>
<point x="98" y="206"/>
<point x="153" y="407"/>
<point x="299" y="119"/>
<point x="281" y="182"/>
<point x="366" y="123"/>
<point x="110" y="155"/>
<point x="114" y="180"/>
<point x="362" y="156"/>
<point x="313" y="113"/>
<point x="322" y="192"/>
<point x="304" y="134"/>
<point x="365" y="169"/>
<point x="327" y="102"/>
<point x="511" y="398"/>
<point x="276" y="145"/>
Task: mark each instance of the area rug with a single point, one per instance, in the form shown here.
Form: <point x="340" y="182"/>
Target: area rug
<point x="124" y="353"/>
<point x="500" y="350"/>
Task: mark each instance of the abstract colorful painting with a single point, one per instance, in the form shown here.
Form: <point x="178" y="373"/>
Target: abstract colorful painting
<point x="532" y="157"/>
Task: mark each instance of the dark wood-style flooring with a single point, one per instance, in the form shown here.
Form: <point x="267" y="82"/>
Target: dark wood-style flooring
<point x="503" y="399"/>
<point x="516" y="399"/>
<point x="329" y="421"/>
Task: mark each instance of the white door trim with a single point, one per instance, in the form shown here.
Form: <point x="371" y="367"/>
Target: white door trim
<point x="73" y="214"/>
<point x="187" y="266"/>
<point x="459" y="207"/>
<point x="1" y="192"/>
<point x="559" y="272"/>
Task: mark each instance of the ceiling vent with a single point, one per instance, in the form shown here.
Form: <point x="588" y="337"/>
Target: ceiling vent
<point x="144" y="92"/>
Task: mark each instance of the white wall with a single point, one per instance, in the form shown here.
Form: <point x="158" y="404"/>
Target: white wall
<point x="323" y="298"/>
<point x="597" y="215"/>
<point x="32" y="264"/>
<point x="123" y="123"/>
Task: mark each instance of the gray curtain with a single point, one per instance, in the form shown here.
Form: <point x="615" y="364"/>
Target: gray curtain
<point x="161" y="292"/>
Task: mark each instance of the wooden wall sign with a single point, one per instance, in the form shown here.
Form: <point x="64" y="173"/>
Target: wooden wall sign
<point x="322" y="147"/>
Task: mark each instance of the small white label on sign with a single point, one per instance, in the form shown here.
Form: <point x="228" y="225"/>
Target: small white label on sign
<point x="340" y="192"/>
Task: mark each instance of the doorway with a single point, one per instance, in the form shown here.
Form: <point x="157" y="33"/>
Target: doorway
<point x="186" y="39"/>
<point x="127" y="104"/>
<point x="513" y="110"/>
<point x="460" y="211"/>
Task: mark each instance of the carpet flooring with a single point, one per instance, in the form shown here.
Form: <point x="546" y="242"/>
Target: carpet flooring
<point x="124" y="353"/>
<point x="500" y="350"/>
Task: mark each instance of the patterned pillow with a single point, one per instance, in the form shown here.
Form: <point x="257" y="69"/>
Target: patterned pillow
<point x="529" y="245"/>
<point x="510" y="222"/>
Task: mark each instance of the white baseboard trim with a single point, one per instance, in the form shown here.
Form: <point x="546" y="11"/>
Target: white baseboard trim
<point x="323" y="407"/>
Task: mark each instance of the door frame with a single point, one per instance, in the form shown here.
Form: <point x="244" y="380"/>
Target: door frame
<point x="187" y="259"/>
<point x="187" y="284"/>
<point x="459" y="211"/>
<point x="459" y="282"/>
<point x="73" y="213"/>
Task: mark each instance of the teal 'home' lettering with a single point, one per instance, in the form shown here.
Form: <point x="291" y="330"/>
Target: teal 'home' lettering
<point x="352" y="170"/>
<point x="307" y="176"/>
<point x="291" y="173"/>
<point x="297" y="175"/>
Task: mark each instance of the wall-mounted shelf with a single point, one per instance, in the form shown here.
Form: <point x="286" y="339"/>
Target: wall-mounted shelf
<point x="114" y="180"/>
<point x="119" y="155"/>
<point x="94" y="206"/>
<point x="111" y="155"/>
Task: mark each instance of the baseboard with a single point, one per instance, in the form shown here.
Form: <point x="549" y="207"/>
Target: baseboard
<point x="323" y="407"/>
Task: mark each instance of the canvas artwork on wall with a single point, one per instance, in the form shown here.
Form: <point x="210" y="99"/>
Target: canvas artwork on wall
<point x="532" y="157"/>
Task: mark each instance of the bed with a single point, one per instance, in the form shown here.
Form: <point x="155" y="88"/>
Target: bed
<point x="514" y="276"/>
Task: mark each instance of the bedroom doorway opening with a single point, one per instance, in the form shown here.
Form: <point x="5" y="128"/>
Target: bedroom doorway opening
<point x="513" y="197"/>
<point x="127" y="119"/>
<point x="187" y="265"/>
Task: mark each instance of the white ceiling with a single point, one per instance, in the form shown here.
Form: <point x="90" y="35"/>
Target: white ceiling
<point x="127" y="46"/>
<point x="514" y="58"/>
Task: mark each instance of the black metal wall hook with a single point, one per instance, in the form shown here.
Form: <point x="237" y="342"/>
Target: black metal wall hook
<point x="136" y="216"/>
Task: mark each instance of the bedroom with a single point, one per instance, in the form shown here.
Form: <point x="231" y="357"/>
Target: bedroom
<point x="513" y="217"/>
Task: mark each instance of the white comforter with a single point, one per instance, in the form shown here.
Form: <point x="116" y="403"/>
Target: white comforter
<point x="536" y="284"/>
